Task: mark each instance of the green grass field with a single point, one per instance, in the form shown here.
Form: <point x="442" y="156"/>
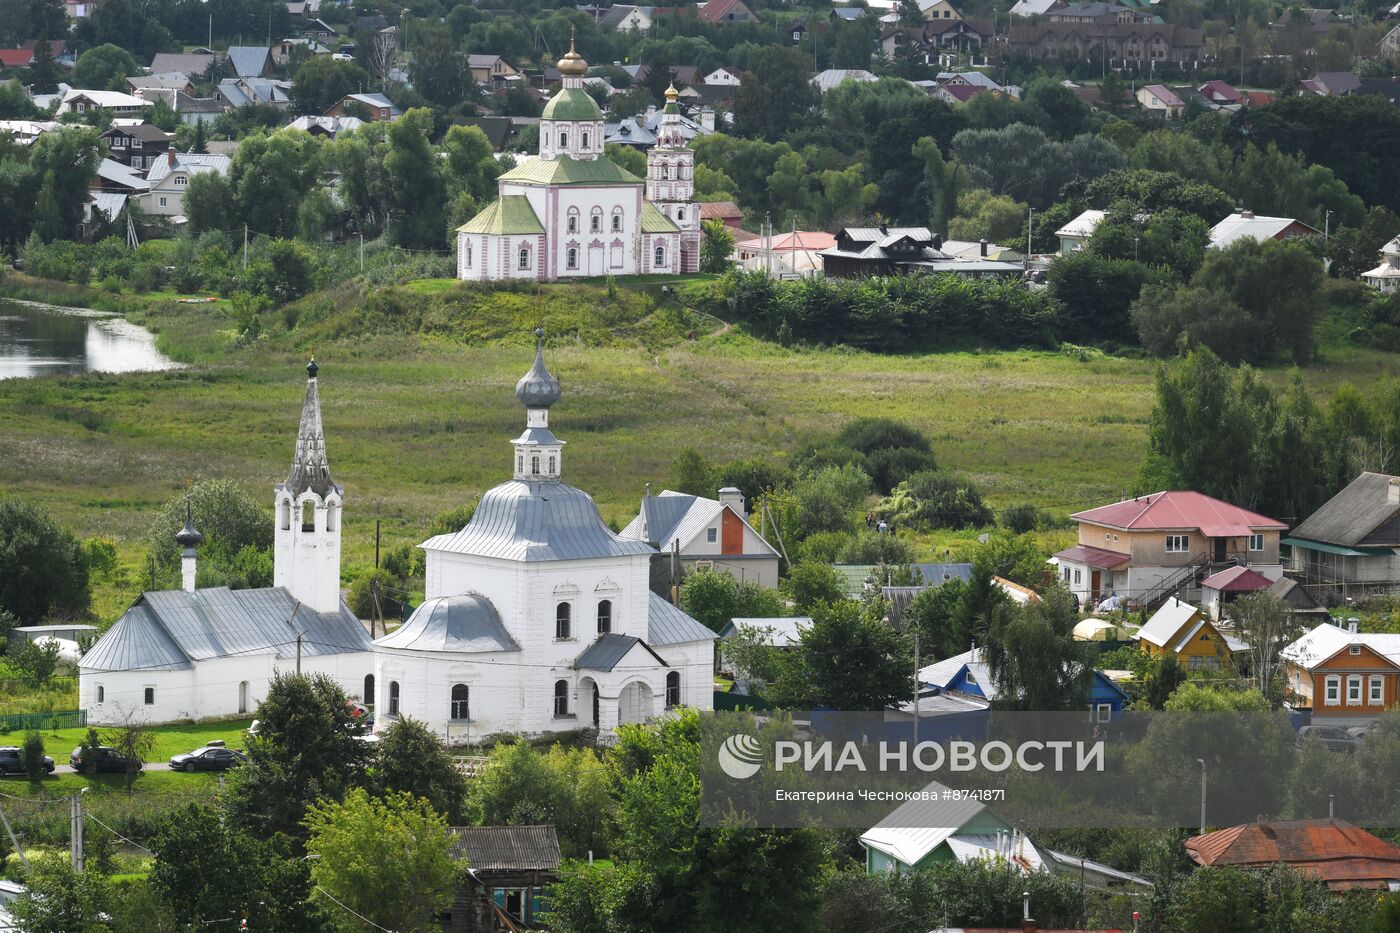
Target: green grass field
<point x="420" y="421"/>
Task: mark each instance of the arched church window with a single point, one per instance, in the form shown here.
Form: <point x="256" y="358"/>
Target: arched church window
<point x="617" y="221"/>
<point x="461" y="702"/>
<point x="562" y="617"/>
<point x="331" y="512"/>
<point x="673" y="689"/>
<point x="520" y="463"/>
<point x="680" y="213"/>
<point x="284" y="516"/>
<point x="535" y="465"/>
<point x="369" y="690"/>
<point x="102" y="694"/>
<point x="393" y="698"/>
<point x="660" y="259"/>
<point x="572" y="256"/>
<point x="561" y="698"/>
<point x="604" y="616"/>
<point x="573" y="220"/>
<point x="553" y="465"/>
<point x="563" y="140"/>
<point x="665" y="170"/>
<point x="308" y="517"/>
<point x="583" y="140"/>
<point x="525" y="257"/>
<point x="595" y="223"/>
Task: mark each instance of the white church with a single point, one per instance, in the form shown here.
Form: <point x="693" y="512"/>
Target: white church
<point x="537" y="617"/>
<point x="572" y="213"/>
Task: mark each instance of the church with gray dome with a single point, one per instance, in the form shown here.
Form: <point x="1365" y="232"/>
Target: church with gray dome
<point x="537" y="617"/>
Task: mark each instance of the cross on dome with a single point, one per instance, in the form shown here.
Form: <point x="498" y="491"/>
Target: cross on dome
<point x="572" y="64"/>
<point x="538" y="452"/>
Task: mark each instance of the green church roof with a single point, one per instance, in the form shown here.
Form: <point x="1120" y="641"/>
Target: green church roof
<point x="509" y="214"/>
<point x="653" y="221"/>
<point x="571" y="104"/>
<point x="566" y="170"/>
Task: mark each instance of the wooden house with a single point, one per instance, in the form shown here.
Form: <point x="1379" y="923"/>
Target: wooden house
<point x="509" y="868"/>
<point x="1343" y="676"/>
<point x="1182" y="630"/>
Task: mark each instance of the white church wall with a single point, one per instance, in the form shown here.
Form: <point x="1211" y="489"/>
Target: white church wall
<point x="496" y="685"/>
<point x="606" y="252"/>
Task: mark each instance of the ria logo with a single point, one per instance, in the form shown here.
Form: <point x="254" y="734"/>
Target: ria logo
<point x="740" y="756"/>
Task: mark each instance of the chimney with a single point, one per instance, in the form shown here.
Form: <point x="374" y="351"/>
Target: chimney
<point x="707" y="119"/>
<point x="651" y="111"/>
<point x="1247" y="215"/>
<point x="1351" y="625"/>
<point x="938" y="241"/>
<point x="1393" y="492"/>
<point x="1027" y="924"/>
<point x="733" y="498"/>
<point x="170" y="156"/>
<point x="648" y="490"/>
<point x="983" y="244"/>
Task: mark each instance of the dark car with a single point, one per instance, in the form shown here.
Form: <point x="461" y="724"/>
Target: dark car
<point x="101" y="758"/>
<point x="207" y="758"/>
<point x="12" y="761"/>
<point x="1335" y="739"/>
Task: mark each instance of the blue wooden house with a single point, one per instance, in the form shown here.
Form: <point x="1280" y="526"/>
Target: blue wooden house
<point x="969" y="675"/>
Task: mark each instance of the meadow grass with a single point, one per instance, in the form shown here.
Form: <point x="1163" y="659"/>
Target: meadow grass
<point x="417" y="423"/>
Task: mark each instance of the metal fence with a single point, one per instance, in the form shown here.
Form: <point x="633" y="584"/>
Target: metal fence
<point x="62" y="719"/>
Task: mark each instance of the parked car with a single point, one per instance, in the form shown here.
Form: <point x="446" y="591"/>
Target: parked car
<point x="12" y="761"/>
<point x="207" y="758"/>
<point x="102" y="758"/>
<point x="1335" y="738"/>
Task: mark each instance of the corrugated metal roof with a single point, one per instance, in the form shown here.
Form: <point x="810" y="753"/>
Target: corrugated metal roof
<point x="1327" y="639"/>
<point x="468" y="624"/>
<point x="1237" y="580"/>
<point x="536" y="521"/>
<point x="608" y="650"/>
<point x="1093" y="556"/>
<point x="1353" y="513"/>
<point x="566" y="170"/>
<point x="507" y="848"/>
<point x="1340" y="854"/>
<point x="667" y="625"/>
<point x="1180" y="510"/>
<point x="190" y="162"/>
<point x="1167" y="621"/>
<point x="168" y="629"/>
<point x="909" y="834"/>
<point x="510" y="214"/>
<point x="249" y="61"/>
<point x="941" y="673"/>
<point x="785" y="630"/>
<point x="653" y="221"/>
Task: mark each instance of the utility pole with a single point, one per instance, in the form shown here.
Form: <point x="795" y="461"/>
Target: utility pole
<point x="1331" y="802"/>
<point x="362" y="270"/>
<point x="376" y="544"/>
<point x="1030" y="232"/>
<point x="245" y="246"/>
<point x="75" y="836"/>
<point x="1203" y="794"/>
<point x="13" y="841"/>
<point x="916" y="690"/>
<point x="299" y="671"/>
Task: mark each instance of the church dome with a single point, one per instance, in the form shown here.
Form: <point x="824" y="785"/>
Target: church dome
<point x="467" y="623"/>
<point x="538" y="388"/>
<point x="572" y="64"/>
<point x="188" y="537"/>
<point x="572" y="104"/>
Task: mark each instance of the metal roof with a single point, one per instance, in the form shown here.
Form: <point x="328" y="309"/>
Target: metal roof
<point x="1240" y="225"/>
<point x="1237" y="580"/>
<point x="510" y="214"/>
<point x="566" y="170"/>
<point x="1180" y="510"/>
<point x="667" y="625"/>
<point x="1167" y="621"/>
<point x="785" y="630"/>
<point x="1341" y="855"/>
<point x="117" y="173"/>
<point x="168" y="629"/>
<point x="941" y="673"/>
<point x="1093" y="556"/>
<point x="250" y="61"/>
<point x="507" y="848"/>
<point x="1083" y="225"/>
<point x="653" y="221"/>
<point x="1349" y="518"/>
<point x="608" y="651"/>
<point x="468" y="624"/>
<point x="908" y="833"/>
<point x="185" y="63"/>
<point x="190" y="163"/>
<point x="572" y="104"/>
<point x="1327" y="639"/>
<point x="310" y="468"/>
<point x="536" y="521"/>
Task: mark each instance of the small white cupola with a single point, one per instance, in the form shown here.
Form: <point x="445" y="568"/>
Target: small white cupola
<point x="189" y="540"/>
<point x="538" y="453"/>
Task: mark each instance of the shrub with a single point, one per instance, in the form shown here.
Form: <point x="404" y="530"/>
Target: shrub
<point x="943" y="500"/>
<point x="1021" y="518"/>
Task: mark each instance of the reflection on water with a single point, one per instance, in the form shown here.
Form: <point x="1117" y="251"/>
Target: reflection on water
<point x="40" y="340"/>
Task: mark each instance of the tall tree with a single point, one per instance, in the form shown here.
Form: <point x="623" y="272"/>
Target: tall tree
<point x="65" y="162"/>
<point x="43" y="70"/>
<point x="848" y="659"/>
<point x="387" y="858"/>
<point x="410" y="759"/>
<point x="1268" y="625"/>
<point x="323" y="80"/>
<point x="439" y="66"/>
<point x="414" y="175"/>
<point x="777" y="95"/>
<point x="1036" y="661"/>
<point x="42" y="567"/>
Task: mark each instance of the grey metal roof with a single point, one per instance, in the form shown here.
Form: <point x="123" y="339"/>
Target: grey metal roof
<point x="667" y="625"/>
<point x="506" y="848"/>
<point x="190" y="162"/>
<point x="1349" y="518"/>
<point x="189" y="64"/>
<point x="536" y="521"/>
<point x="605" y="653"/>
<point x="168" y="629"/>
<point x="250" y="61"/>
<point x="468" y="624"/>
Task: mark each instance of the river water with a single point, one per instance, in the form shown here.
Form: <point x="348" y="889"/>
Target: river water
<point x="46" y="340"/>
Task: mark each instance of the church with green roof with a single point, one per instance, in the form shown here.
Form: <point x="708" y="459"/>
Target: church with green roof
<point x="571" y="213"/>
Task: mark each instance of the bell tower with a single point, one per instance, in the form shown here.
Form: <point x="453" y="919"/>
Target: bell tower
<point x="671" y="168"/>
<point x="306" y="552"/>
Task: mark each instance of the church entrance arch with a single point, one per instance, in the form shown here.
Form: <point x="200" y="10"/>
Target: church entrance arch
<point x="635" y="703"/>
<point x="588" y="699"/>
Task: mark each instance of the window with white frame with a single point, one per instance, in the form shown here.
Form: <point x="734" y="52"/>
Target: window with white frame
<point x="563" y="140"/>
<point x="1077" y="575"/>
<point x="563" y="614"/>
<point x="660" y="259"/>
<point x="572" y="256"/>
<point x="467" y="254"/>
<point x="595" y="223"/>
<point x="1256" y="542"/>
<point x="101" y="693"/>
<point x="1177" y="544"/>
<point x="1103" y="712"/>
<point x="1353" y="690"/>
<point x="1376" y="694"/>
<point x="393" y="698"/>
<point x="673" y="689"/>
<point x="573" y="220"/>
<point x="461" y="708"/>
<point x="561" y="698"/>
<point x="1332" y="690"/>
<point x="150" y="696"/>
<point x="583" y="140"/>
<point x="617" y="221"/>
<point x="525" y="258"/>
<point x="711" y="535"/>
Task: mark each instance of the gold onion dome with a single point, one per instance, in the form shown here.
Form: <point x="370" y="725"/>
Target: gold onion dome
<point x="672" y="93"/>
<point x="572" y="63"/>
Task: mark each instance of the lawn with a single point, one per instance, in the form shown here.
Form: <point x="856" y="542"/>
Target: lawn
<point x="417" y="424"/>
<point x="169" y="740"/>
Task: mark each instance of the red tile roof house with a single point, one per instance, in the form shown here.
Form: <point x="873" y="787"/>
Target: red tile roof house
<point x="1335" y="852"/>
<point x="1147" y="548"/>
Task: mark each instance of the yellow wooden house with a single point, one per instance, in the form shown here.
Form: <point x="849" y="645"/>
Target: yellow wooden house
<point x="1181" y="629"/>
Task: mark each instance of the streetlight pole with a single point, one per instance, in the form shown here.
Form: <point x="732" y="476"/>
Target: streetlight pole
<point x="1202" y="762"/>
<point x="1030" y="232"/>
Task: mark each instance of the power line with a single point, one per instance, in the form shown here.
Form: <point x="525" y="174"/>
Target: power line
<point x="351" y="910"/>
<point x="109" y="829"/>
